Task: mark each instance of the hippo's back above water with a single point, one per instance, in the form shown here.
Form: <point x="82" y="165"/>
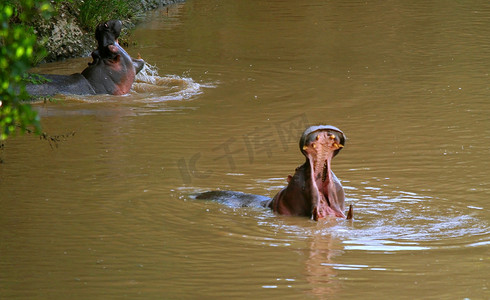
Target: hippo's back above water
<point x="235" y="199"/>
<point x="74" y="84"/>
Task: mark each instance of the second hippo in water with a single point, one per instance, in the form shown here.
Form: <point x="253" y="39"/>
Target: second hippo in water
<point x="112" y="70"/>
<point x="313" y="191"/>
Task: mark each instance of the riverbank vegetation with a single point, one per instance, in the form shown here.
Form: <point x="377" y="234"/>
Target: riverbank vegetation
<point x="88" y="13"/>
<point x="92" y="12"/>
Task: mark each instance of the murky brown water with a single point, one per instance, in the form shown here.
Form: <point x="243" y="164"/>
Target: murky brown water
<point x="108" y="213"/>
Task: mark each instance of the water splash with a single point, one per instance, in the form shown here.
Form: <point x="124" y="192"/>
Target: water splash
<point x="148" y="74"/>
<point x="151" y="87"/>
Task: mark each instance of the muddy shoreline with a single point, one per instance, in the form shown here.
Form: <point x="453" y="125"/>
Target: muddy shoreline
<point x="64" y="37"/>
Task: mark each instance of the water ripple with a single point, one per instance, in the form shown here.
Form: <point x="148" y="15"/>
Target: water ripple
<point x="384" y="221"/>
<point x="400" y="221"/>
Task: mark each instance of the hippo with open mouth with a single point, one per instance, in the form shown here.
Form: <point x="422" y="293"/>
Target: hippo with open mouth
<point x="313" y="191"/>
<point x="112" y="70"/>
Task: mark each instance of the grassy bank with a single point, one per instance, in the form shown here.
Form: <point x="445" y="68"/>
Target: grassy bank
<point x="88" y="13"/>
<point x="68" y="32"/>
<point x="92" y="12"/>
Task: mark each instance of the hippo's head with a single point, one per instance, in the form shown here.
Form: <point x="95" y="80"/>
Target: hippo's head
<point x="314" y="190"/>
<point x="106" y="33"/>
<point x="319" y="144"/>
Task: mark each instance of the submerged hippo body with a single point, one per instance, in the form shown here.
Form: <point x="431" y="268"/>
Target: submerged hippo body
<point x="112" y="70"/>
<point x="235" y="199"/>
<point x="75" y="84"/>
<point x="313" y="191"/>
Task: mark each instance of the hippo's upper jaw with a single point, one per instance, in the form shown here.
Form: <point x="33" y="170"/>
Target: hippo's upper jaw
<point x="107" y="32"/>
<point x="314" y="190"/>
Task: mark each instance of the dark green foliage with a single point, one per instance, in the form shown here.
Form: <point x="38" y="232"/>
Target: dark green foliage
<point x="17" y="44"/>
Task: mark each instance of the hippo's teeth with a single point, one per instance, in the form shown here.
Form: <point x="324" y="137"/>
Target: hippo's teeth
<point x="305" y="147"/>
<point x="338" y="145"/>
<point x="317" y="137"/>
<point x="350" y="213"/>
<point x="314" y="146"/>
<point x="332" y="137"/>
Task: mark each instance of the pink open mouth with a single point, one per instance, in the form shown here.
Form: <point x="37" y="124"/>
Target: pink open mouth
<point x="320" y="145"/>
